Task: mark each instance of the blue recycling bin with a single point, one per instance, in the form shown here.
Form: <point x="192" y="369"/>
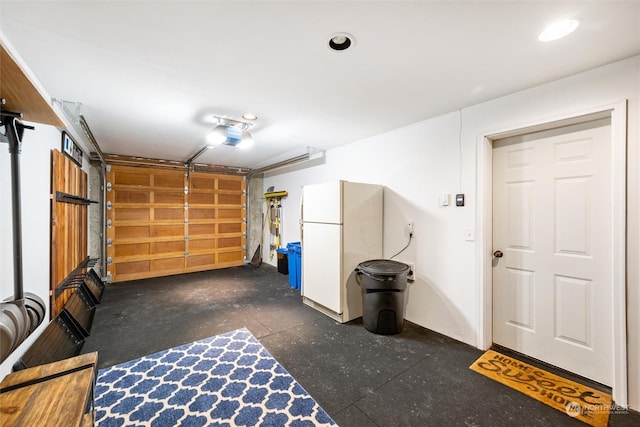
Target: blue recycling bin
<point x="295" y="265"/>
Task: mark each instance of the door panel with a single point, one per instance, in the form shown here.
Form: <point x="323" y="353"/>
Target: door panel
<point x="572" y="310"/>
<point x="520" y="288"/>
<point x="68" y="226"/>
<point x="572" y="233"/>
<point x="552" y="220"/>
<point x="519" y="215"/>
<point x="322" y="203"/>
<point x="322" y="264"/>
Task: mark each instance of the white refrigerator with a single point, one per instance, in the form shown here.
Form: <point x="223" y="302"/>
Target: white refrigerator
<point x="341" y="226"/>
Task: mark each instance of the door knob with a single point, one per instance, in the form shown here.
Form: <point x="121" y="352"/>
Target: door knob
<point x="498" y="254"/>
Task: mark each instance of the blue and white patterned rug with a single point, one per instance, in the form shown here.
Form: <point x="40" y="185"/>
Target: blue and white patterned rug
<point x="226" y="380"/>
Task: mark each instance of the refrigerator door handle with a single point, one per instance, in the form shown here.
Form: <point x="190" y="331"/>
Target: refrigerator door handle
<point x="301" y="216"/>
<point x="302" y="206"/>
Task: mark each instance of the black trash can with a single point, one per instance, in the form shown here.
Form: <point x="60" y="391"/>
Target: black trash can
<point x="383" y="282"/>
<point x="283" y="260"/>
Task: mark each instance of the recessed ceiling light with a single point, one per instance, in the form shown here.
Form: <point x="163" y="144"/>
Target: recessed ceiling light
<point x="559" y="29"/>
<point x="249" y="116"/>
<point x="340" y="41"/>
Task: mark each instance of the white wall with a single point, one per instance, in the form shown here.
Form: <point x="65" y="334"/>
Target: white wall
<point x="419" y="162"/>
<point x="35" y="170"/>
<point x="415" y="164"/>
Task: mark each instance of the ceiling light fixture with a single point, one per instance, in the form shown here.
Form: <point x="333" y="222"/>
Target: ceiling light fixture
<point x="230" y="132"/>
<point x="249" y="116"/>
<point x="339" y="42"/>
<point x="559" y="29"/>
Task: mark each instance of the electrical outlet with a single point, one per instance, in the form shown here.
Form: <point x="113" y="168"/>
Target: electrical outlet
<point x="411" y="228"/>
<point x="412" y="271"/>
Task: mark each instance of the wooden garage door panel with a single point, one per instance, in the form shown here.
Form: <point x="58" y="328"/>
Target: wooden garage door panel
<point x="202" y="181"/>
<point x="132" y="196"/>
<point x="230" y="184"/>
<point x="132" y="249"/>
<point x="135" y="267"/>
<point x="229" y="227"/>
<point x="230" y="199"/>
<point x="131" y="231"/>
<point x="201" y="229"/>
<point x="132" y="214"/>
<point x="168" y="180"/>
<point x="168" y="264"/>
<point x="128" y="177"/>
<point x="175" y="214"/>
<point x="229" y="242"/>
<point x="167" y="230"/>
<point x="198" y="213"/>
<point x="164" y="221"/>
<point x="201" y="261"/>
<point x="229" y="257"/>
<point x="168" y="247"/>
<point x="169" y="197"/>
<point x="202" y="198"/>
<point x="230" y="213"/>
<point x="204" y="244"/>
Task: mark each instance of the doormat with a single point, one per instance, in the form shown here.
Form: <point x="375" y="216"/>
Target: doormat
<point x="225" y="380"/>
<point x="578" y="401"/>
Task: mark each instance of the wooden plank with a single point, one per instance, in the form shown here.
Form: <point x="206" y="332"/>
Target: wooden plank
<point x="69" y="236"/>
<point x="53" y="394"/>
<point x="135" y="240"/>
<point x="214" y="219"/>
<point x="123" y="250"/>
<point x="22" y="94"/>
<point x="150" y="274"/>
<point x="26" y="375"/>
<point x="134" y="267"/>
<point x="147" y="257"/>
<point x="89" y="419"/>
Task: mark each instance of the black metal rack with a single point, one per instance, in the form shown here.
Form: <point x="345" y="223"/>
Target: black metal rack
<point x="77" y="277"/>
<point x="70" y="198"/>
<point x="66" y="333"/>
<point x="14" y="130"/>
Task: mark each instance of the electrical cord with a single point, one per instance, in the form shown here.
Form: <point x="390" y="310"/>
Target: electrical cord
<point x="405" y="246"/>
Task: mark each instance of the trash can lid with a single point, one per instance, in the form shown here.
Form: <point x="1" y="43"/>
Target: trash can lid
<point x="384" y="267"/>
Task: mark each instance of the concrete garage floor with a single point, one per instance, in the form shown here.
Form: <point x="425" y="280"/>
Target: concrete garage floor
<point x="416" y="378"/>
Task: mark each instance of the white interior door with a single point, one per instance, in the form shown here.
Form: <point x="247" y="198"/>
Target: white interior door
<point x="552" y="221"/>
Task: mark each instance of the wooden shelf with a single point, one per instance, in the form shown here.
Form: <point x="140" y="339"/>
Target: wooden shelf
<point x="22" y="95"/>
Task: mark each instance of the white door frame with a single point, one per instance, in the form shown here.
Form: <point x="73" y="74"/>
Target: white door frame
<point x="484" y="214"/>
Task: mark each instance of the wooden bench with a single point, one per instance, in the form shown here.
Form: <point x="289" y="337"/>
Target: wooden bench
<point x="55" y="394"/>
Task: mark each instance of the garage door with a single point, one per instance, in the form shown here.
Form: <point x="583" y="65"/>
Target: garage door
<point x="163" y="221"/>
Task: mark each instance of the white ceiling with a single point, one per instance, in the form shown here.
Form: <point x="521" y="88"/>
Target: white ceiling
<point x="151" y="74"/>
